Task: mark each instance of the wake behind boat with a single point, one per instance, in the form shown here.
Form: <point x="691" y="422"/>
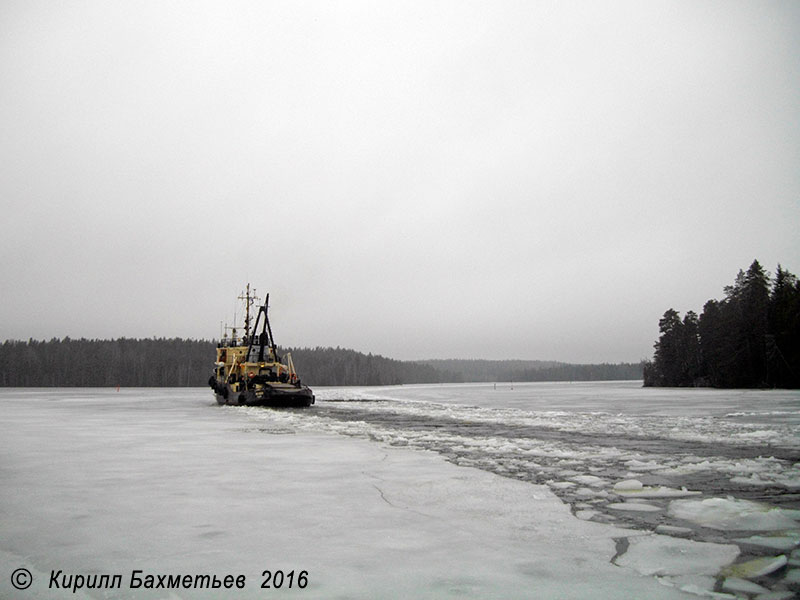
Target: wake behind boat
<point x="249" y="371"/>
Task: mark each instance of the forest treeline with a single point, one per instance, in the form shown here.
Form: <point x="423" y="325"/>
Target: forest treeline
<point x="154" y="362"/>
<point x="175" y="362"/>
<point x="457" y="371"/>
<point x="750" y="338"/>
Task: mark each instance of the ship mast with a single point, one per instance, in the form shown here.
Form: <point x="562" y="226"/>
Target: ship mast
<point x="248" y="301"/>
<point x="265" y="339"/>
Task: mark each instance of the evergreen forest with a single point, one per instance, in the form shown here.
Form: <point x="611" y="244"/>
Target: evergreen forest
<point x="750" y="338"/>
<point x="178" y="362"/>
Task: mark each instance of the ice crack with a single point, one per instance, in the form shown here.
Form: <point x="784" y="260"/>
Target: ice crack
<point x="622" y="545"/>
<point x="385" y="499"/>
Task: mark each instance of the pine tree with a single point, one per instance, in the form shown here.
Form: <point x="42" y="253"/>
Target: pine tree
<point x="783" y="340"/>
<point x="667" y="362"/>
<point x="690" y="349"/>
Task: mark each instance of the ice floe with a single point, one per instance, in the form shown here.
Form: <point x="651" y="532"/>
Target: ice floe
<point x="777" y="595"/>
<point x="662" y="555"/>
<point x="674" y="530"/>
<point x="635" y="489"/>
<point x="733" y="514"/>
<point x="634" y="506"/>
<point x="628" y="485"/>
<point x="638" y="465"/>
<point x="792" y="576"/>
<point x="591" y="480"/>
<point x="783" y="543"/>
<point x="735" y="584"/>
<point x="560" y="484"/>
<point x="757" y="567"/>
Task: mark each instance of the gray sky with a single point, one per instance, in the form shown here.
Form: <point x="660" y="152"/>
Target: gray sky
<point x="536" y="180"/>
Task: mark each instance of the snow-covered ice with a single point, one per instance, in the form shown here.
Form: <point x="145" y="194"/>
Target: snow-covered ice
<point x="414" y="491"/>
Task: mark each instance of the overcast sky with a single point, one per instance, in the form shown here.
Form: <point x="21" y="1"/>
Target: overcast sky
<point x="536" y="180"/>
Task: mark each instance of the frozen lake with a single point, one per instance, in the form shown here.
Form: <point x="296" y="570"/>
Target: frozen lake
<point x="546" y="490"/>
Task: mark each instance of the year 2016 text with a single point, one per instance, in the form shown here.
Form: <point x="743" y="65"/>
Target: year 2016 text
<point x="278" y="579"/>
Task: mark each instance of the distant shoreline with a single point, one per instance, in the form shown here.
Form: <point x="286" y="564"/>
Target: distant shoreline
<point x="177" y="362"/>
